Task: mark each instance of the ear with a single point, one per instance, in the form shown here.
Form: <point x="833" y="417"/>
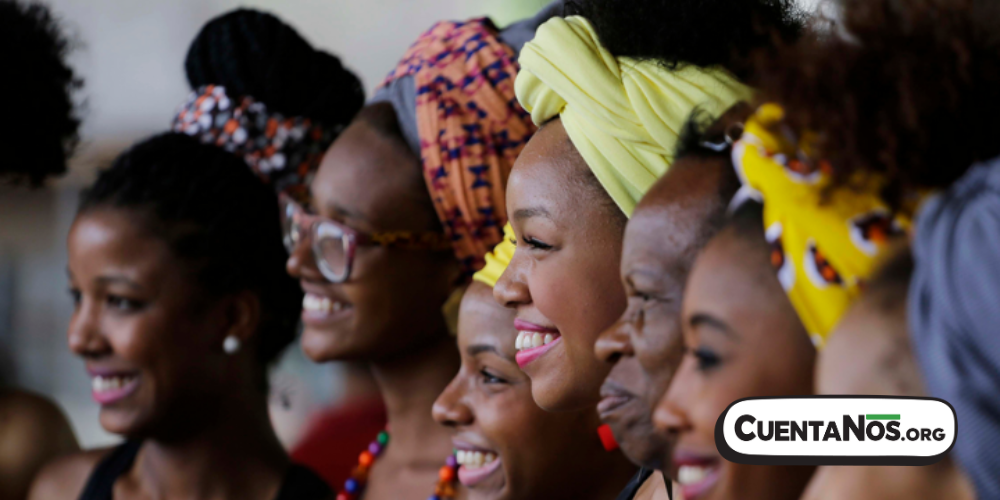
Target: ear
<point x="242" y="316"/>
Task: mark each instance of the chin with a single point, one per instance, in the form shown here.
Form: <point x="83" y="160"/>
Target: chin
<point x="122" y="423"/>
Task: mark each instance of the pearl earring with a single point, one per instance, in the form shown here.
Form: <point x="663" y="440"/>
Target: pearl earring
<point x="231" y="345"/>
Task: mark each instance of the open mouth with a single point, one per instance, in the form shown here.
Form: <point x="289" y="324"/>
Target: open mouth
<point x="475" y="464"/>
<point x="110" y="388"/>
<point x="317" y="308"/>
<point x="696" y="476"/>
<point x="533" y="341"/>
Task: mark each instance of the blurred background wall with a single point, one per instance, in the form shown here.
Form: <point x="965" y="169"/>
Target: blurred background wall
<point x="130" y="54"/>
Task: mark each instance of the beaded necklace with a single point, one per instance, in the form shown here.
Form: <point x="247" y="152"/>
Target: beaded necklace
<point x="355" y="485"/>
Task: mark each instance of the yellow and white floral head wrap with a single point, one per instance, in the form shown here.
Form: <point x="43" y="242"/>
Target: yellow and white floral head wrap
<point x="825" y="242"/>
<point x="622" y="114"/>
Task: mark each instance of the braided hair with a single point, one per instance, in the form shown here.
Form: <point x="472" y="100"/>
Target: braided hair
<point x="216" y="217"/>
<point x="253" y="53"/>
<point x="40" y="130"/>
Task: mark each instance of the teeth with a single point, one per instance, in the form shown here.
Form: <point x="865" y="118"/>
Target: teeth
<point x="474" y="459"/>
<point x="530" y="340"/>
<point x="316" y="303"/>
<point x="690" y="474"/>
<point x="114" y="383"/>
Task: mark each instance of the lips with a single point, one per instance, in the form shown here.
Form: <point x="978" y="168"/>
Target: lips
<point x="476" y="464"/>
<point x="613" y="397"/>
<point x="533" y="341"/>
<point x="696" y="474"/>
<point x="108" y="387"/>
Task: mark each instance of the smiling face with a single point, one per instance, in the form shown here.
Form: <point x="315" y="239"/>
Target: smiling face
<point x="509" y="447"/>
<point x="392" y="301"/>
<point x="742" y="339"/>
<point x="151" y="340"/>
<point x="668" y="228"/>
<point x="563" y="278"/>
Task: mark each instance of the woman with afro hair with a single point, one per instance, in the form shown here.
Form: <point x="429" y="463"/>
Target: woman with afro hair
<point x="176" y="268"/>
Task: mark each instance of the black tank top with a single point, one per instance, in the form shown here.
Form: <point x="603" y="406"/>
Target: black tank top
<point x="300" y="483"/>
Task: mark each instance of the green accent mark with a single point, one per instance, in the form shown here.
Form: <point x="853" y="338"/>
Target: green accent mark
<point x="877" y="416"/>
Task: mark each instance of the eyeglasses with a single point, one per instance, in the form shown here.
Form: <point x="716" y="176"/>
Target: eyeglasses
<point x="334" y="244"/>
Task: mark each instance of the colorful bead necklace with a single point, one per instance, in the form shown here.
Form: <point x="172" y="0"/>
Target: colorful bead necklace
<point x="355" y="485"/>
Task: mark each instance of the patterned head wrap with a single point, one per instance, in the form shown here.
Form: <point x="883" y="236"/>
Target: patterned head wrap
<point x="953" y="312"/>
<point x="285" y="151"/>
<point x="471" y="129"/>
<point x="623" y="115"/>
<point x="824" y="243"/>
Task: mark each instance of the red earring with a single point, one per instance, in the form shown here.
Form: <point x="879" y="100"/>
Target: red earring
<point x="607" y="438"/>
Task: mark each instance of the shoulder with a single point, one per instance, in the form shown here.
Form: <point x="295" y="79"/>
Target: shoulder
<point x="64" y="478"/>
<point x="33" y="431"/>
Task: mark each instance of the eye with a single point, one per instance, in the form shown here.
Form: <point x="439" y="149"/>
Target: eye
<point x="489" y="378"/>
<point x="707" y="359"/>
<point x="538" y="245"/>
<point x="75" y="296"/>
<point x="123" y="304"/>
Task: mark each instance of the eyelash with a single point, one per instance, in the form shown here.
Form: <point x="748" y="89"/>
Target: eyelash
<point x="122" y="304"/>
<point x="489" y="378"/>
<point x="538" y="245"/>
<point x="707" y="360"/>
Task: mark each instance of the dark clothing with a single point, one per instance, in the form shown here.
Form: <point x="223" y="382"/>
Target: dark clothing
<point x="633" y="486"/>
<point x="299" y="484"/>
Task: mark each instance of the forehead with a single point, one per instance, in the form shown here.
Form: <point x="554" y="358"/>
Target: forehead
<point x="115" y="238"/>
<point x="730" y="275"/>
<point x="675" y="218"/>
<point x="374" y="178"/>
<point x="482" y="321"/>
<point x="548" y="174"/>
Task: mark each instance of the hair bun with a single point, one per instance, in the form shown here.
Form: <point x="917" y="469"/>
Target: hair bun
<point x="254" y="53"/>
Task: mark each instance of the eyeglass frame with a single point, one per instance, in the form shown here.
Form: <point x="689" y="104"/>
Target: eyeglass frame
<point x="313" y="224"/>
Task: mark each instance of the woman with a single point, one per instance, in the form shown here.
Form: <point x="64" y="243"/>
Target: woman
<point x="181" y="303"/>
<point x="508" y="447"/>
<point x="871" y="353"/>
<point x="742" y="338"/>
<point x="609" y="128"/>
<point x="33" y="46"/>
<point x="908" y="99"/>
<point x="406" y="203"/>
<point x="260" y="91"/>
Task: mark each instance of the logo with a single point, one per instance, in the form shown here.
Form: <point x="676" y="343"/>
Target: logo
<point x="836" y="430"/>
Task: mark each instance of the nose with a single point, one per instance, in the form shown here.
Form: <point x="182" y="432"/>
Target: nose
<point x="84" y="334"/>
<point x="671" y="415"/>
<point x="301" y="264"/>
<point x="511" y="290"/>
<point x="615" y="342"/>
<point x="450" y="409"/>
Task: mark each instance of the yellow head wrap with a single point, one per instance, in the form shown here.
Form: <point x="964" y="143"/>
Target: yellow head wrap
<point x="824" y="243"/>
<point x="498" y="259"/>
<point x="623" y="115"/>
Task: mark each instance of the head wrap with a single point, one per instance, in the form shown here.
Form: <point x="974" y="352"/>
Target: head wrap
<point x="824" y="243"/>
<point x="623" y="115"/>
<point x="285" y="151"/>
<point x="953" y="313"/>
<point x="471" y="129"/>
<point x="497" y="260"/>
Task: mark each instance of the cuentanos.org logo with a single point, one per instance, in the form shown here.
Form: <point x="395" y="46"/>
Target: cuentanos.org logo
<point x="836" y="430"/>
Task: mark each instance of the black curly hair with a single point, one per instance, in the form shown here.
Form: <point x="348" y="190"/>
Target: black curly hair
<point x="910" y="92"/>
<point x="40" y="130"/>
<point x="215" y="215"/>
<point x="253" y="53"/>
<point x="700" y="32"/>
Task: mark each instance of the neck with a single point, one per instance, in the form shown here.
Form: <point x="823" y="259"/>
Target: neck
<point x="236" y="455"/>
<point x="409" y="385"/>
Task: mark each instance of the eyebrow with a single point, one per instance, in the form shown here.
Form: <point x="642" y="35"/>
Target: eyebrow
<point x="527" y="213"/>
<point x="121" y="280"/>
<point x="702" y="319"/>
<point x="476" y="349"/>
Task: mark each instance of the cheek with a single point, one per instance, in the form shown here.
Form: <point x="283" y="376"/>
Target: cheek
<point x="658" y="344"/>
